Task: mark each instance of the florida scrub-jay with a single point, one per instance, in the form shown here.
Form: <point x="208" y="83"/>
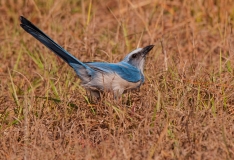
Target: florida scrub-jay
<point x="97" y="77"/>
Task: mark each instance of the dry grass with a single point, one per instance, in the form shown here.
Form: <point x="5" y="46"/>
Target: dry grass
<point x="183" y="111"/>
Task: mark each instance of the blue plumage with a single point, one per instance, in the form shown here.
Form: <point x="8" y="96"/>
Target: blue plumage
<point x="126" y="71"/>
<point x="98" y="76"/>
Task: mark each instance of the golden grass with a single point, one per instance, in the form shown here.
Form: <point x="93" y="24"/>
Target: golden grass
<point x="183" y="111"/>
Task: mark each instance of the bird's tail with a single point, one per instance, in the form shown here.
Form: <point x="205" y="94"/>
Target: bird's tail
<point x="81" y="69"/>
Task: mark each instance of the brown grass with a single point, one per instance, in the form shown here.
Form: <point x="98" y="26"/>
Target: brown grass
<point x="183" y="111"/>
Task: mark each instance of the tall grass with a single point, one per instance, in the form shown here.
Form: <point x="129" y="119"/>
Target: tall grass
<point x="183" y="111"/>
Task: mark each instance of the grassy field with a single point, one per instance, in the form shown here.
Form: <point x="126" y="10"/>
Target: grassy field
<point x="184" y="110"/>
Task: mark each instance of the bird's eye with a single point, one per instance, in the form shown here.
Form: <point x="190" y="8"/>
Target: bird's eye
<point x="134" y="55"/>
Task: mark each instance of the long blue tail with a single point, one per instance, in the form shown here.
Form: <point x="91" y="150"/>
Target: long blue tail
<point x="81" y="69"/>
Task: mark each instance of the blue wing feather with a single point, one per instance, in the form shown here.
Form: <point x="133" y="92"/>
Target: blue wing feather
<point x="123" y="69"/>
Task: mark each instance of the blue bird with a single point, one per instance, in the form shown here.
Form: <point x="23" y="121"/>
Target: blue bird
<point x="98" y="77"/>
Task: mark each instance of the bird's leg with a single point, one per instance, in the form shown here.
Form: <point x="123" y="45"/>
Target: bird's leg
<point x="94" y="95"/>
<point x="118" y="94"/>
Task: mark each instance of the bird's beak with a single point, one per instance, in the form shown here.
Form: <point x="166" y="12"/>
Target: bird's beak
<point x="146" y="50"/>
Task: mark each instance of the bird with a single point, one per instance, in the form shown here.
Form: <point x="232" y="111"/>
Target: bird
<point x="98" y="77"/>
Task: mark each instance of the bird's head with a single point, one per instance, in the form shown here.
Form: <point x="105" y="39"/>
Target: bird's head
<point x="137" y="57"/>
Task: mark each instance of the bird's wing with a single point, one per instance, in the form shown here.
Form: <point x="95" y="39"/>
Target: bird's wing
<point x="125" y="71"/>
<point x="81" y="69"/>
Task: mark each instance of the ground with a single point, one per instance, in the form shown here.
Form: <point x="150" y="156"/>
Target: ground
<point x="184" y="110"/>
